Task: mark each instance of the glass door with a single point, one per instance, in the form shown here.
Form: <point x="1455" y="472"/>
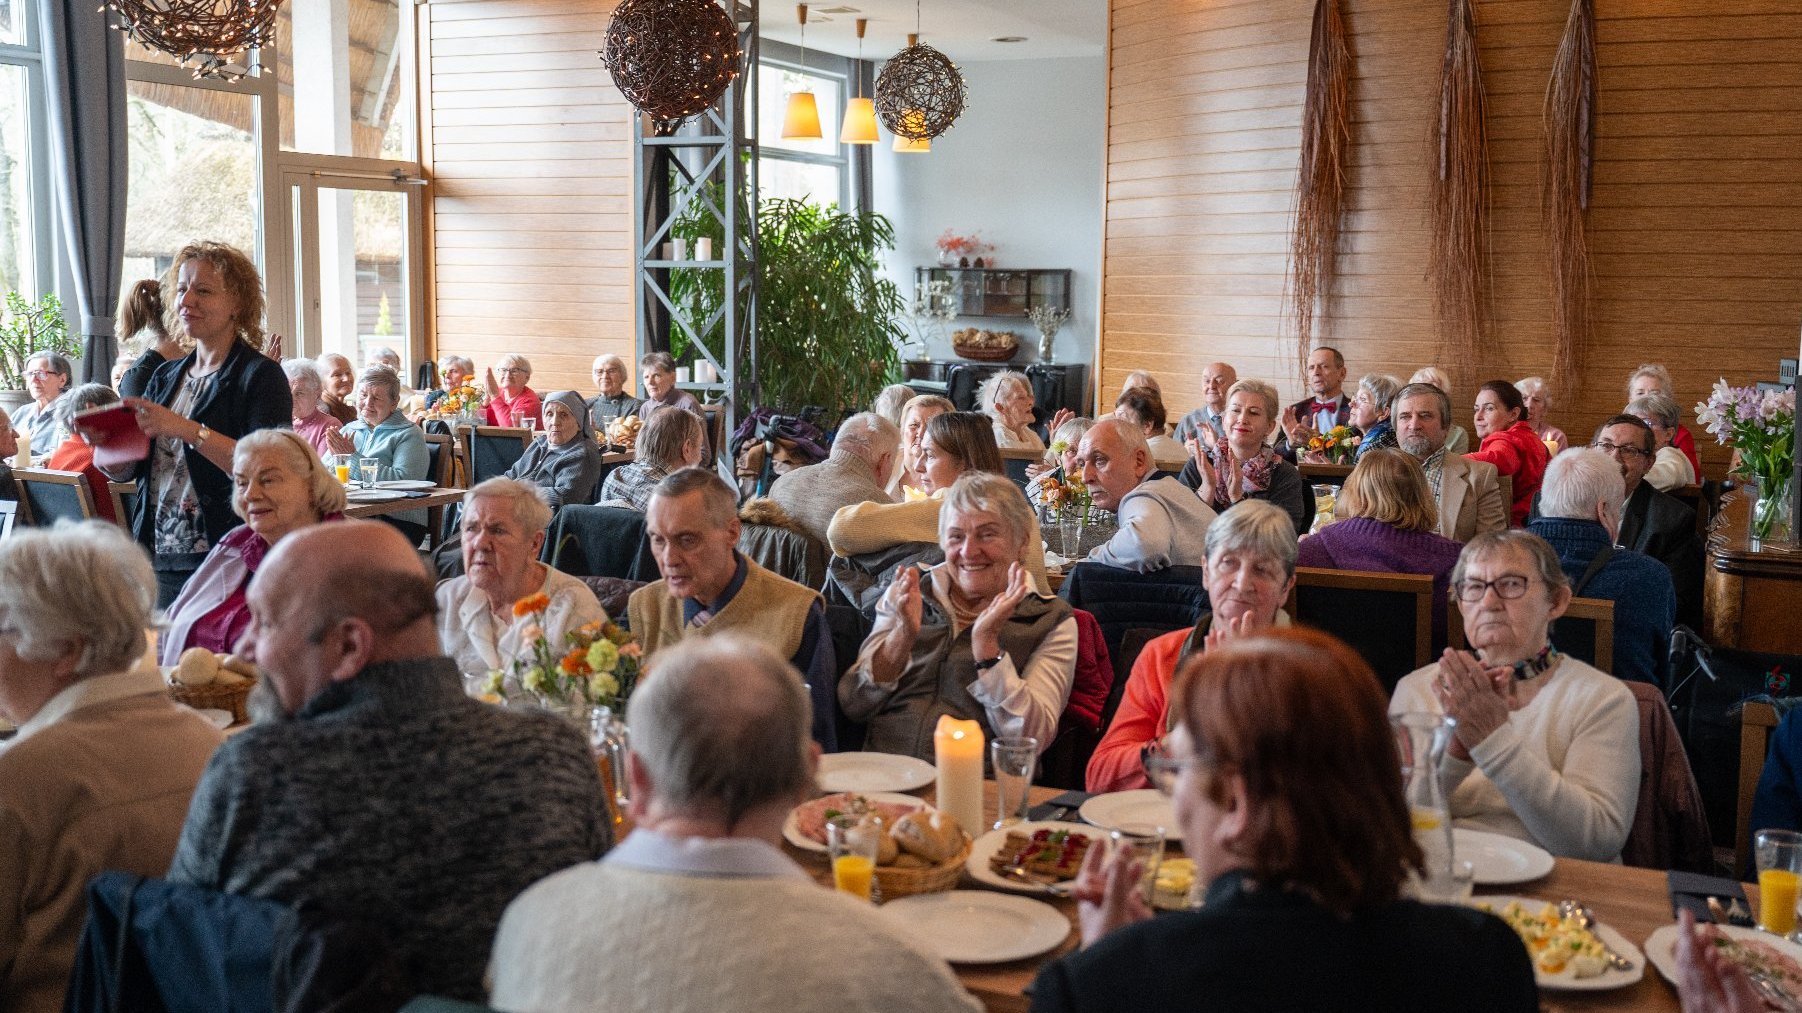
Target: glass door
<point x="357" y="243"/>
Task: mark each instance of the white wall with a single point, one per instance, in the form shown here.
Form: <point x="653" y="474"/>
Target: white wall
<point x="1023" y="168"/>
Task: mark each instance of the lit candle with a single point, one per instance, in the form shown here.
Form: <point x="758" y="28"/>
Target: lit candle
<point x="957" y="746"/>
<point x="1551" y="447"/>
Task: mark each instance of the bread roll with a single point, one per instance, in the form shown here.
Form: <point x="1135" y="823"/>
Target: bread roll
<point x="198" y="667"/>
<point x="933" y="836"/>
<point x="231" y="663"/>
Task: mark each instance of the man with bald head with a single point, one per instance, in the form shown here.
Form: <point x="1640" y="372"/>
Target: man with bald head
<point x="1162" y="522"/>
<point x="1216" y="377"/>
<point x="371" y="787"/>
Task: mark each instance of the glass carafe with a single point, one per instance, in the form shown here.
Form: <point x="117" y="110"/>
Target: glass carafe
<point x="607" y="737"/>
<point x="1421" y="739"/>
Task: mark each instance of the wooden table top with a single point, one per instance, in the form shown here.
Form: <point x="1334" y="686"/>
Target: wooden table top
<point x="1633" y="901"/>
<point x="434" y="497"/>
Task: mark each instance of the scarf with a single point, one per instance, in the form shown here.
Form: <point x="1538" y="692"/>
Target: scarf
<point x="1254" y="476"/>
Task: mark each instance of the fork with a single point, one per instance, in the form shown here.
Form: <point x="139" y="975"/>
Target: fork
<point x="1054" y="889"/>
<point x="1586" y="918"/>
<point x="1771" y="992"/>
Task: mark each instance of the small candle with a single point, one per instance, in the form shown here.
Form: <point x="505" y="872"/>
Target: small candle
<point x="22" y="456"/>
<point x="1551" y="447"/>
<point x="704" y="248"/>
<point x="958" y="746"/>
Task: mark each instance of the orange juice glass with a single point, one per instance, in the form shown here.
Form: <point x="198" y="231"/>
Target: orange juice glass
<point x="1778" y="854"/>
<point x="853" y="843"/>
<point x="853" y="874"/>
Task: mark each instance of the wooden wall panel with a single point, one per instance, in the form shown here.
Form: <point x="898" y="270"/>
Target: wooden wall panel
<point x="529" y="148"/>
<point x="1695" y="226"/>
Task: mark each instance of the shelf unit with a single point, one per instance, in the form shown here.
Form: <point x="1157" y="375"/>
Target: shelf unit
<point x="1000" y="292"/>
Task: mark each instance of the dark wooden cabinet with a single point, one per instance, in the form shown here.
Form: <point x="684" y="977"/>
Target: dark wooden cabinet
<point x="1000" y="292"/>
<point x="1054" y="384"/>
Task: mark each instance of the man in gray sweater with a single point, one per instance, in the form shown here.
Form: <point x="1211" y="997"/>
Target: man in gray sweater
<point x="375" y="789"/>
<point x="1162" y="522"/>
<point x="864" y="453"/>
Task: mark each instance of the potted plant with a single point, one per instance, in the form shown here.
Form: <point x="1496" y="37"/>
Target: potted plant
<point x="27" y="328"/>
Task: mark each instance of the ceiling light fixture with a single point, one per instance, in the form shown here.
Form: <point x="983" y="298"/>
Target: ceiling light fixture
<point x="801" y="120"/>
<point x="920" y="92"/>
<point x="860" y="112"/>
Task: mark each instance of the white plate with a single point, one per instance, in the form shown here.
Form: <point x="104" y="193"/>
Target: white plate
<point x="1141" y="807"/>
<point x="220" y="719"/>
<point x="1661" y="946"/>
<point x="989" y="843"/>
<point x="1568" y="981"/>
<point x="978" y="926"/>
<point x="1498" y="860"/>
<point x="868" y="772"/>
<point x="374" y="495"/>
<point x="414" y="484"/>
<point x="791" y="827"/>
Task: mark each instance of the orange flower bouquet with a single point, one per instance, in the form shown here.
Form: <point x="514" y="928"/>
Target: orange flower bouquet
<point x="595" y="665"/>
<point x="462" y="402"/>
<point x="1337" y="444"/>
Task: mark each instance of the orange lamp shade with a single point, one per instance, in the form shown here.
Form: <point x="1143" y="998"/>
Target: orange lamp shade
<point x="801" y="121"/>
<point x="905" y="144"/>
<point x="860" y="123"/>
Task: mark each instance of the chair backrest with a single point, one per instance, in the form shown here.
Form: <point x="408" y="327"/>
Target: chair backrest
<point x="1015" y="462"/>
<point x="9" y="516"/>
<point x="602" y="541"/>
<point x="961" y="384"/>
<point x="610" y="461"/>
<point x="1756" y="722"/>
<point x="1586" y="632"/>
<point x="1324" y="474"/>
<point x="785" y="552"/>
<point x="1670" y="825"/>
<point x="1386" y="617"/>
<point x="125" y="500"/>
<point x="493" y="450"/>
<point x="439" y="456"/>
<point x="46" y="496"/>
<point x="1122" y="601"/>
<point x="1507" y="484"/>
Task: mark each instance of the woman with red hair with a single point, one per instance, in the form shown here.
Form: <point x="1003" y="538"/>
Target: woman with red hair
<point x="1286" y="783"/>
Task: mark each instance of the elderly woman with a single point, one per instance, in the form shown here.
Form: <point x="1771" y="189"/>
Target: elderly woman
<point x="140" y="317"/>
<point x="1243" y="466"/>
<point x="453" y="371"/>
<point x="1670" y="469"/>
<point x="47" y="375"/>
<point x="956" y="443"/>
<point x="511" y="402"/>
<point x="1653" y="378"/>
<point x="75" y="453"/>
<point x="1546" y="748"/>
<point x="1144" y="408"/>
<point x="1248" y="574"/>
<point x="967" y="637"/>
<point x="104" y="764"/>
<point x="1006" y="398"/>
<point x="1509" y="443"/>
<point x="918" y="411"/>
<point x="891" y="401"/>
<point x="504" y="524"/>
<point x="311" y="420"/>
<point x="669" y="442"/>
<point x="566" y="463"/>
<point x="279" y="486"/>
<point x="1282" y="774"/>
<point x="1387" y="518"/>
<point x="657" y="375"/>
<point x="382" y="433"/>
<point x="1370" y="411"/>
<point x="1060" y="458"/>
<point x="1457" y="440"/>
<point x="338" y="378"/>
<point x="195" y="408"/>
<point x="613" y="400"/>
<point x="1537" y="396"/>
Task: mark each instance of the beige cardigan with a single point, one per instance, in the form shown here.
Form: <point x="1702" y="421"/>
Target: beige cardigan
<point x="105" y="784"/>
<point x="872" y="527"/>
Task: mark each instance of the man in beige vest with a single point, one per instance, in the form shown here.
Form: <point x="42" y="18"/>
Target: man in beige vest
<point x="1468" y="493"/>
<point x="708" y="586"/>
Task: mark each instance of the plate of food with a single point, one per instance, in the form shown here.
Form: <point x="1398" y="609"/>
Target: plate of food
<point x="979" y="926"/>
<point x="413" y="484"/>
<point x="1760" y="952"/>
<point x="1566" y="956"/>
<point x="1144" y="807"/>
<point x="805" y="827"/>
<point x="867" y="772"/>
<point x="1034" y="857"/>
<point x="1498" y="860"/>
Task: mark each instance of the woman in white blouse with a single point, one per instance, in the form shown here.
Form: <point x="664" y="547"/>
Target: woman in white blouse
<point x="1006" y="398"/>
<point x="1547" y="748"/>
<point x="967" y="637"/>
<point x="504" y="524"/>
<point x="1670" y="469"/>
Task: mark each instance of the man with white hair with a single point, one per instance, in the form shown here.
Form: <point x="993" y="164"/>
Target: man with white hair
<point x="864" y="454"/>
<point x="699" y="909"/>
<point x="1580" y="516"/>
<point x="613" y="401"/>
<point x="1216" y="377"/>
<point x="1468" y="493"/>
<point x="1162" y="522"/>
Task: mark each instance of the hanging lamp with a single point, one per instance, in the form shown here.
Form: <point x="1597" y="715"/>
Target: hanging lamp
<point x="860" y="112"/>
<point x="801" y="120"/>
<point x="920" y="92"/>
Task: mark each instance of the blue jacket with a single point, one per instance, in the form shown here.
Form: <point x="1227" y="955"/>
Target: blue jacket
<point x="400" y="446"/>
<point x="1778" y="802"/>
<point x="1645" y="601"/>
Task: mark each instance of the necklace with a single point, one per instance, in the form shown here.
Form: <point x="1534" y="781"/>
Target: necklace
<point x="1539" y="664"/>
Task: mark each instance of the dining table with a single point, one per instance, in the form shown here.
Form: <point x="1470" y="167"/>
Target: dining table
<point x="437" y="496"/>
<point x="1635" y="902"/>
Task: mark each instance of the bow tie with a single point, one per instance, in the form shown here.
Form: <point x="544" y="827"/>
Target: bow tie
<point x="1324" y="406"/>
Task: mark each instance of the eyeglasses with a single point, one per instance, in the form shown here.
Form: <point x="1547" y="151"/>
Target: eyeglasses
<point x="513" y="372"/>
<point x="1508" y="587"/>
<point x="40" y="374"/>
<point x="1617" y="449"/>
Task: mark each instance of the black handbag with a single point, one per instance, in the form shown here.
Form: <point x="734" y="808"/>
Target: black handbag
<point x="1709" y="686"/>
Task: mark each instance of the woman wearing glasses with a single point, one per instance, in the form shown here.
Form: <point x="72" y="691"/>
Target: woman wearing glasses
<point x="47" y="375"/>
<point x="510" y="401"/>
<point x="1547" y="748"/>
<point x="1282" y="773"/>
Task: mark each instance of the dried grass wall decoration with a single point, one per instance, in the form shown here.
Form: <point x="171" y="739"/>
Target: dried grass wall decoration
<point x="1321" y="180"/>
<point x="1570" y="133"/>
<point x="1458" y="260"/>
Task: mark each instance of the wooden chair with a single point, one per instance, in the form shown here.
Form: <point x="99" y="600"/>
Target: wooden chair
<point x="46" y="496"/>
<point x="489" y="451"/>
<point x="125" y="500"/>
<point x="1756" y="723"/>
<point x="1014" y="462"/>
<point x="1386" y="617"/>
<point x="1589" y="637"/>
<point x="440" y="453"/>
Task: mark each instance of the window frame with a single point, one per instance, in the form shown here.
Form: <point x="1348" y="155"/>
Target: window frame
<point x="45" y="234"/>
<point x="840" y="77"/>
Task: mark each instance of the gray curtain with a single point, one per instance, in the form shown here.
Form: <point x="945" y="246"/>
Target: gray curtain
<point x="84" y="75"/>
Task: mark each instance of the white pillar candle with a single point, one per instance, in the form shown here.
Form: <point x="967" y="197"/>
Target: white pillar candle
<point x="704" y="248"/>
<point x="957" y="746"/>
<point x="22" y="456"/>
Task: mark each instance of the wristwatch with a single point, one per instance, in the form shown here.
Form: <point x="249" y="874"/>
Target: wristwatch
<point x="200" y="437"/>
<point x="983" y="666"/>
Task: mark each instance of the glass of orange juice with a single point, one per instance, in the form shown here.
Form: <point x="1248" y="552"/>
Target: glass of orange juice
<point x="1778" y="854"/>
<point x="341" y="467"/>
<point x="853" y="843"/>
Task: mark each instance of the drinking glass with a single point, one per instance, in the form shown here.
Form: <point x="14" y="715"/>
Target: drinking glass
<point x="1069" y="534"/>
<point x="341" y="467"/>
<point x="1143" y="843"/>
<point x="1013" y="758"/>
<point x="1779" y="857"/>
<point x="1421" y="739"/>
<point x="371" y="469"/>
<point x="853" y="843"/>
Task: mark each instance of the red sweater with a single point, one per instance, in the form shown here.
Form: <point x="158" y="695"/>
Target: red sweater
<point x="1516" y="451"/>
<point x="1687" y="443"/>
<point x="1143" y="715"/>
<point x="76" y="455"/>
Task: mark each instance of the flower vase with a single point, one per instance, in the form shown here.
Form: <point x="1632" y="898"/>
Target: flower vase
<point x="1069" y="534"/>
<point x="1773" y="511"/>
<point x="607" y="737"/>
<point x="1047" y="339"/>
<point x="947" y="258"/>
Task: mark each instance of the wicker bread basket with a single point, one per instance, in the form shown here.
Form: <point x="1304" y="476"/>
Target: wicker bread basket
<point x="230" y="696"/>
<point x="986" y="354"/>
<point x="900" y="882"/>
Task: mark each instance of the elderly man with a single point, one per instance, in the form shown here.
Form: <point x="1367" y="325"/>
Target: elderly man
<point x="1216" y="377"/>
<point x="1249" y="571"/>
<point x="614" y="400"/>
<point x="709" y="587"/>
<point x="378" y="791"/>
<point x="700" y="910"/>
<point x="865" y="453"/>
<point x="1468" y="493"/>
<point x="1162" y="522"/>
<point x="1580" y="515"/>
<point x="1328" y="407"/>
<point x="657" y="371"/>
<point x="1655" y="522"/>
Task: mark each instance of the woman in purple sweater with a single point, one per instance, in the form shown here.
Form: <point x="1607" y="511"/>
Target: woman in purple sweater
<point x="1386" y="519"/>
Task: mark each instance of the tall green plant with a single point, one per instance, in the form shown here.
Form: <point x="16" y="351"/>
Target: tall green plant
<point x="27" y="328"/>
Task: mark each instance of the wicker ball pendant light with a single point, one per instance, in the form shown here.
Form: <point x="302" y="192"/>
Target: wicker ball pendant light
<point x="200" y="33"/>
<point x="920" y="92"/>
<point x="670" y="58"/>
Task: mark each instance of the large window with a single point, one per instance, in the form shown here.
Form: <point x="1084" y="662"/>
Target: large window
<point x="25" y="262"/>
<point x="818" y="171"/>
<point x="193" y="173"/>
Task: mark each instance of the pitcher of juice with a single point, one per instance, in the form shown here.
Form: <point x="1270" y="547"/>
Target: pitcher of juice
<point x="1778" y="854"/>
<point x="1421" y="739"/>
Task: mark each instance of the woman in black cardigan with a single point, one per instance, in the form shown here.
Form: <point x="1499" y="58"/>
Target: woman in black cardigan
<point x="195" y="408"/>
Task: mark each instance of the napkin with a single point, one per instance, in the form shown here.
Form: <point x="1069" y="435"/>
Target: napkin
<point x="1061" y="807"/>
<point x="1691" y="890"/>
